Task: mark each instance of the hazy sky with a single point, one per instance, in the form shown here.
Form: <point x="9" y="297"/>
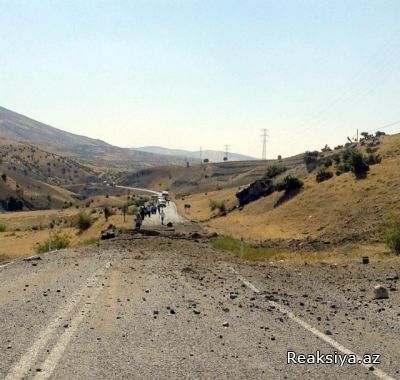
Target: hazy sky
<point x="189" y="73"/>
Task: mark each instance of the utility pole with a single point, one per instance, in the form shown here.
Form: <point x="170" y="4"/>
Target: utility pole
<point x="357" y="135"/>
<point x="201" y="155"/>
<point x="226" y="151"/>
<point x="264" y="138"/>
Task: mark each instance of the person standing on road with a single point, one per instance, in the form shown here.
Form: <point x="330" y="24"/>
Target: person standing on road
<point x="138" y="222"/>
<point x="106" y="213"/>
<point x="162" y="216"/>
<point x="142" y="213"/>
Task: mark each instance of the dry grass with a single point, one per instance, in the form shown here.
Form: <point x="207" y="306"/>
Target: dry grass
<point x="339" y="207"/>
<point x="200" y="203"/>
<point x="20" y="240"/>
<point x="340" y="255"/>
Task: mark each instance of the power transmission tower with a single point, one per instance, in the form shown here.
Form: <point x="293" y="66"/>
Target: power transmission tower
<point x="264" y="138"/>
<point x="226" y="151"/>
<point x="201" y="155"/>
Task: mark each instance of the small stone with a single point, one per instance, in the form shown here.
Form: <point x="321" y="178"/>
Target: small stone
<point x="225" y="324"/>
<point x="380" y="292"/>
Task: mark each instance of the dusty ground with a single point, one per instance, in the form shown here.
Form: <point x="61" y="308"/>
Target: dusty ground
<point x="173" y="307"/>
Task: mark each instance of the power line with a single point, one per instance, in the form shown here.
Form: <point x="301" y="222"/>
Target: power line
<point x="385" y="126"/>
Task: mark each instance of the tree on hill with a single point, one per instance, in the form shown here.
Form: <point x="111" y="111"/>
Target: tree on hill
<point x="13" y="203"/>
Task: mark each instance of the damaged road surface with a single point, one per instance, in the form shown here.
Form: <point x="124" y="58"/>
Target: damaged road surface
<point x="145" y="306"/>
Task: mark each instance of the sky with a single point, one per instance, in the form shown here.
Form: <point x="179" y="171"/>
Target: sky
<point x="185" y="74"/>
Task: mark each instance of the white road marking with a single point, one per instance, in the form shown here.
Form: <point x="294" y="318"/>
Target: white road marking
<point x="57" y="351"/>
<point x="28" y="359"/>
<point x="377" y="372"/>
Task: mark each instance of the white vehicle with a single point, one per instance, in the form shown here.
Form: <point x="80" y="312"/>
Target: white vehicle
<point x="165" y="193"/>
<point x="162" y="201"/>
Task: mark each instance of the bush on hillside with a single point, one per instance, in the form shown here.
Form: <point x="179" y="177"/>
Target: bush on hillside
<point x="336" y="158"/>
<point x="220" y="206"/>
<point x="358" y="164"/>
<point x="392" y="233"/>
<point x="57" y="242"/>
<point x="323" y="175"/>
<point x="289" y="183"/>
<point x="13" y="203"/>
<point x="273" y="171"/>
<point x="82" y="221"/>
<point x="373" y="159"/>
<point x="3" y="228"/>
<point x="343" y="168"/>
<point x="310" y="156"/>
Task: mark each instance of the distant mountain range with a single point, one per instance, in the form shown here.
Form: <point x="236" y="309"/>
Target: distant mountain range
<point x="212" y="155"/>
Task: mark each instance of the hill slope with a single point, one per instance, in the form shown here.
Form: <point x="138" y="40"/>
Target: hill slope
<point x="94" y="152"/>
<point x="212" y="155"/>
<point x="341" y="209"/>
<point x="18" y="127"/>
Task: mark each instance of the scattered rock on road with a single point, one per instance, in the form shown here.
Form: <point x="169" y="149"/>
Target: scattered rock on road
<point x="380" y="292"/>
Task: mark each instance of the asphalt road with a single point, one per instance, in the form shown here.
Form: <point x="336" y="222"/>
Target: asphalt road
<point x="171" y="215"/>
<point x="144" y="307"/>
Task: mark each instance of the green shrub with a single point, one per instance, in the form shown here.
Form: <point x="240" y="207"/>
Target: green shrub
<point x="220" y="206"/>
<point x="323" y="175"/>
<point x="13" y="203"/>
<point x="358" y="165"/>
<point x="82" y="221"/>
<point x="57" y="242"/>
<point x="392" y="233"/>
<point x="373" y="159"/>
<point x="371" y="149"/>
<point x="273" y="171"/>
<point x="343" y="168"/>
<point x="347" y="153"/>
<point x="244" y="249"/>
<point x="310" y="157"/>
<point x="336" y="158"/>
<point x="3" y="228"/>
<point x="289" y="183"/>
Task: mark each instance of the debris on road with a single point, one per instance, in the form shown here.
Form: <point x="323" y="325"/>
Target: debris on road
<point x="380" y="292"/>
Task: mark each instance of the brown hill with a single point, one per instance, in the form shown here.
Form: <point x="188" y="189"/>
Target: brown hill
<point x="36" y="176"/>
<point x="94" y="152"/>
<point x="341" y="209"/>
<point x="207" y="177"/>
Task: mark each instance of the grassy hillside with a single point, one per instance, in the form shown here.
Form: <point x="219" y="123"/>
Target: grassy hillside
<point x="340" y="209"/>
<point x="207" y="177"/>
<point x="36" y="176"/>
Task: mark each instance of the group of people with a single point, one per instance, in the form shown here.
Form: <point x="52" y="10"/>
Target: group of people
<point x="147" y="211"/>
